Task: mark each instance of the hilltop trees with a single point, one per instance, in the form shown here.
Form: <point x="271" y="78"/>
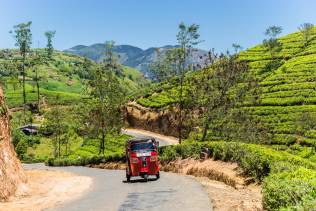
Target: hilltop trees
<point x="236" y="47"/>
<point x="23" y="37"/>
<point x="271" y="42"/>
<point x="214" y="88"/>
<point x="49" y="47"/>
<point x="306" y="30"/>
<point x="188" y="38"/>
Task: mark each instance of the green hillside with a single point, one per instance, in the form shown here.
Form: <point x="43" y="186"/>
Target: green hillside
<point x="63" y="83"/>
<point x="285" y="165"/>
<point x="287" y="89"/>
<point x="64" y="76"/>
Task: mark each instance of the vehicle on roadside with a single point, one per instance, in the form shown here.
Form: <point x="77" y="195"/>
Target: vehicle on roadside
<point x="31" y="129"/>
<point x="142" y="158"/>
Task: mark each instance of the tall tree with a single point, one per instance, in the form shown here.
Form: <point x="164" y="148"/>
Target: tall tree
<point x="236" y="47"/>
<point x="49" y="47"/>
<point x="271" y="42"/>
<point x="306" y="30"/>
<point x="108" y="96"/>
<point x="111" y="59"/>
<point x="188" y="38"/>
<point x="37" y="60"/>
<point x="56" y="125"/>
<point x="105" y="113"/>
<point x="214" y="88"/>
<point x="23" y="37"/>
<point x="164" y="67"/>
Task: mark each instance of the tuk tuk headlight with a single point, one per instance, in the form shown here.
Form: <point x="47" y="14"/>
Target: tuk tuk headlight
<point x="134" y="160"/>
<point x="153" y="158"/>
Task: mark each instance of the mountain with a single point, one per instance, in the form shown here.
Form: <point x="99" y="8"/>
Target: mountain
<point x="129" y="55"/>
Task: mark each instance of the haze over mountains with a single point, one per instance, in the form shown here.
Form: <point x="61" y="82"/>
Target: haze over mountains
<point x="129" y="55"/>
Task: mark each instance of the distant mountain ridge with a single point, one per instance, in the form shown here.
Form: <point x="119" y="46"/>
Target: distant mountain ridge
<point x="129" y="55"/>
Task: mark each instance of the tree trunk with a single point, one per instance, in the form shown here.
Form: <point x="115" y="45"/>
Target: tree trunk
<point x="24" y="93"/>
<point x="102" y="144"/>
<point x="38" y="96"/>
<point x="58" y="146"/>
<point x="206" y="127"/>
<point x="180" y="111"/>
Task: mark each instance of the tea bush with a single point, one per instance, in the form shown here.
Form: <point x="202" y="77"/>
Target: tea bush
<point x="82" y="161"/>
<point x="288" y="181"/>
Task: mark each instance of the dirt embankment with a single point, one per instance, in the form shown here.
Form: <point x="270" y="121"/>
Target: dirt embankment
<point x="11" y="172"/>
<point x="46" y="189"/>
<point x="226" y="187"/>
<point x="155" y="120"/>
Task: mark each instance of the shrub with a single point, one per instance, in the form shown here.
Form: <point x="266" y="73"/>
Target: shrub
<point x="289" y="181"/>
<point x="21" y="148"/>
<point x="82" y="161"/>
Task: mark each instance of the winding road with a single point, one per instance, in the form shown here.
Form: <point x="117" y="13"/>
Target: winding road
<point x="110" y="191"/>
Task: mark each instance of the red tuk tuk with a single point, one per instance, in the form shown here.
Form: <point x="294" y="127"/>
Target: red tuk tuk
<point x="142" y="158"/>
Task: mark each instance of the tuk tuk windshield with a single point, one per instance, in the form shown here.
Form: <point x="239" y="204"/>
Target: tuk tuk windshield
<point x="143" y="146"/>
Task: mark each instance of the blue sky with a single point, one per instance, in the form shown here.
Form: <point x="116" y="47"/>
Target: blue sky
<point x="148" y="23"/>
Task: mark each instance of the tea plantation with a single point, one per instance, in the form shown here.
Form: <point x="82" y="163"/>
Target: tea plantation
<point x="287" y="89"/>
<point x="65" y="76"/>
<point x="286" y="108"/>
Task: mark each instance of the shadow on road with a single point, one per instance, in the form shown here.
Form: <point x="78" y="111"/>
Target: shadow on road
<point x="140" y="180"/>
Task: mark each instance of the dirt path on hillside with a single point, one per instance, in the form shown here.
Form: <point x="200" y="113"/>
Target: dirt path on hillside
<point x="45" y="189"/>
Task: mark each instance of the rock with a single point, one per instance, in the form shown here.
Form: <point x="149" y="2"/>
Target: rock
<point x="11" y="171"/>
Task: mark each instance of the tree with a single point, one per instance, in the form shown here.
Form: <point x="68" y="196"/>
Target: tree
<point x="56" y="125"/>
<point x="306" y="30"/>
<point x="111" y="59"/>
<point x="23" y="37"/>
<point x="49" y="47"/>
<point x="105" y="116"/>
<point x="271" y="42"/>
<point x="187" y="37"/>
<point x="236" y="47"/>
<point x="108" y="96"/>
<point x="216" y="96"/>
<point x="164" y="67"/>
<point x="36" y="60"/>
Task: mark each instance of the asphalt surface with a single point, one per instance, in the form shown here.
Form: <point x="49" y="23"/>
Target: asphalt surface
<point x="110" y="191"/>
<point x="138" y="135"/>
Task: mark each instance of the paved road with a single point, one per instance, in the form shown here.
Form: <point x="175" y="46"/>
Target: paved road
<point x="162" y="142"/>
<point x="110" y="191"/>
